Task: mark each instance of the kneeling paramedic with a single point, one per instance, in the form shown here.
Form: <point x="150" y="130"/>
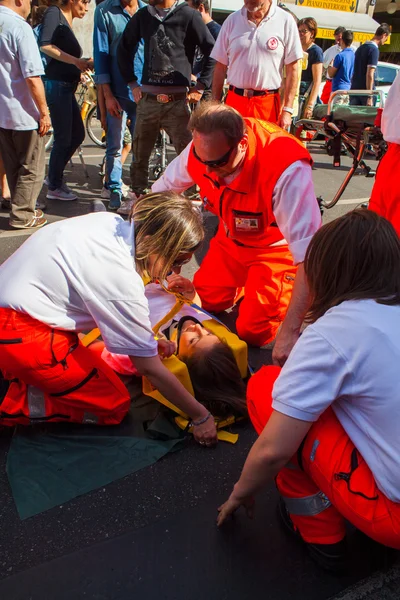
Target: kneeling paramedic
<point x="330" y="436"/>
<point x="257" y="179"/>
<point x="89" y="275"/>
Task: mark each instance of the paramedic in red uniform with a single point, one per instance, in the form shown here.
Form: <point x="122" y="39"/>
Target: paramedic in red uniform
<point x="89" y="274"/>
<point x="254" y="45"/>
<point x="330" y="435"/>
<point x="385" y="198"/>
<point x="257" y="179"/>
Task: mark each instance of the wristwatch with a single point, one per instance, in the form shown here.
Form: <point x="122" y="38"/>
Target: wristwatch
<point x="288" y="109"/>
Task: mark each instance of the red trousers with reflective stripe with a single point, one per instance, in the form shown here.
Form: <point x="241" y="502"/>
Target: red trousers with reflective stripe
<point x="385" y="198"/>
<point x="53" y="377"/>
<point x="267" y="107"/>
<point x="327" y="452"/>
<point x="267" y="276"/>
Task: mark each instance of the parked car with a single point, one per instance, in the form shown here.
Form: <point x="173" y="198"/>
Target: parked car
<point x="385" y="75"/>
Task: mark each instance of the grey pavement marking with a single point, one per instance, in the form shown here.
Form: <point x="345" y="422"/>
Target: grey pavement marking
<point x="353" y="201"/>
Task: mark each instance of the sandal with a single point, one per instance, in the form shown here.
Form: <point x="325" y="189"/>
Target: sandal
<point x="38" y="220"/>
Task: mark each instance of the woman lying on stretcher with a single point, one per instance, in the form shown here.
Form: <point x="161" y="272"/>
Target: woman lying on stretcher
<point x="215" y="376"/>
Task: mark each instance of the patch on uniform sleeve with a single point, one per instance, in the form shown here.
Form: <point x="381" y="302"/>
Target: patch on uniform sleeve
<point x="270" y="127"/>
<point x="247" y="222"/>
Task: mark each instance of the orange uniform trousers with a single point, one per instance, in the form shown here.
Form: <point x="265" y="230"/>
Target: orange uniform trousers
<point x="327" y="481"/>
<point x="266" y="107"/>
<point x="267" y="276"/>
<point x="326" y="92"/>
<point x="385" y="198"/>
<point x="51" y="376"/>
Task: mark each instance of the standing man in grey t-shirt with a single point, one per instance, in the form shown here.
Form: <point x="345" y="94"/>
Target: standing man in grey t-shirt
<point x="24" y="116"/>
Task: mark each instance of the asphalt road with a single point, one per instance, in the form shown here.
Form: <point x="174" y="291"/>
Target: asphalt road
<point x="152" y="535"/>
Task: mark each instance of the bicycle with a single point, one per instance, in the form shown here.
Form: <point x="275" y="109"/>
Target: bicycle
<point x="87" y="101"/>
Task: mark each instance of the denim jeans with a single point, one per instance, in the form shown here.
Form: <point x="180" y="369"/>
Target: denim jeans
<point x="115" y="135"/>
<point x="68" y="128"/>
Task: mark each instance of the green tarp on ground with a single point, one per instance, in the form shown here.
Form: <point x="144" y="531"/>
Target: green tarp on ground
<point x="49" y="465"/>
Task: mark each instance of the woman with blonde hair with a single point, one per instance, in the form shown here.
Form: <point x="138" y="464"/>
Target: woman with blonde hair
<point x="90" y="275"/>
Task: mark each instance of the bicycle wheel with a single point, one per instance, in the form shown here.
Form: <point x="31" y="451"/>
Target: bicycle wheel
<point x="94" y="128"/>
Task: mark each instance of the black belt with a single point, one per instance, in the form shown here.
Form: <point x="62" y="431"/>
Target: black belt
<point x="165" y="98"/>
<point x="251" y="93"/>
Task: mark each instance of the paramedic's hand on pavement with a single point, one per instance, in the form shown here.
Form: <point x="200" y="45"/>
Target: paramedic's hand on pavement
<point x="206" y="434"/>
<point x="284" y="343"/>
<point x="166" y="348"/>
<point x="137" y="94"/>
<point x="285" y="120"/>
<point x="232" y="504"/>
<point x="181" y="285"/>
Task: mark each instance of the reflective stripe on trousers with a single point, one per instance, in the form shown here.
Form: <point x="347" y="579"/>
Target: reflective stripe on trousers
<point x="308" y="506"/>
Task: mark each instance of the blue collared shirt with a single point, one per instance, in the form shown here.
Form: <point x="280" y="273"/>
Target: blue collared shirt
<point x="110" y="20"/>
<point x="19" y="59"/>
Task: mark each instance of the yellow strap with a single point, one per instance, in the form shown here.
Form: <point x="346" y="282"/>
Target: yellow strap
<point x="170" y="315"/>
<point x="223" y="436"/>
<point x="91" y="337"/>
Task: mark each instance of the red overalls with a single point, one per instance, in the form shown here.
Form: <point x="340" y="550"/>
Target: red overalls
<point x="267" y="108"/>
<point x="385" y="198"/>
<point x="327" y="481"/>
<point x="242" y="254"/>
<point x="48" y="375"/>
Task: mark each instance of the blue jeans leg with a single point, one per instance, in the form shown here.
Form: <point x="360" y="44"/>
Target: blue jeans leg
<point x="115" y="135"/>
<point x="68" y="128"/>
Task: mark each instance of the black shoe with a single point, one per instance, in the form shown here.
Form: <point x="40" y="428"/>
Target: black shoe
<point x="330" y="557"/>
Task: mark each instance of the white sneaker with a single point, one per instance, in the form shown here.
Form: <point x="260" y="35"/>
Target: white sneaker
<point x="61" y="194"/>
<point x="46" y="181"/>
<point x="105" y="193"/>
<point x="125" y="189"/>
<point x="126" y="207"/>
<point x="40" y="204"/>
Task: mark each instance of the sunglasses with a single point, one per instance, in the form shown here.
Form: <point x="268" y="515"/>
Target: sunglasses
<point x="220" y="162"/>
<point x="304" y="31"/>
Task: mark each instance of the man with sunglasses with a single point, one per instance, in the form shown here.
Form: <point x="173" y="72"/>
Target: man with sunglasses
<point x="257" y="179"/>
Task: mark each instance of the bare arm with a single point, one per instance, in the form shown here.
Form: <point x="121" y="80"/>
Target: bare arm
<point x="55" y="52"/>
<point x="172" y="389"/>
<point x="332" y="72"/>
<point x="276" y="445"/>
<point x="218" y="80"/>
<point x="112" y="105"/>
<point x="369" y="83"/>
<point x="36" y="89"/>
<point x="290" y="329"/>
<point x="317" y="78"/>
<point x="291" y="86"/>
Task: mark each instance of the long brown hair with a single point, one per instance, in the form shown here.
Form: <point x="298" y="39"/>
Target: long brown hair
<point x="216" y="380"/>
<point x="355" y="257"/>
<point x="167" y="225"/>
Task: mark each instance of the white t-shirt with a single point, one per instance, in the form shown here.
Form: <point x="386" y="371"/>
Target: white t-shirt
<point x="350" y="359"/>
<point x="255" y="56"/>
<point x="80" y="273"/>
<point x="391" y="113"/>
<point x="330" y="54"/>
<point x="160" y="303"/>
<point x="19" y="59"/>
<point x="294" y="204"/>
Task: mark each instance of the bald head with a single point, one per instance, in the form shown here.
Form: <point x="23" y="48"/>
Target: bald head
<point x="21" y="7"/>
<point x="212" y="117"/>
